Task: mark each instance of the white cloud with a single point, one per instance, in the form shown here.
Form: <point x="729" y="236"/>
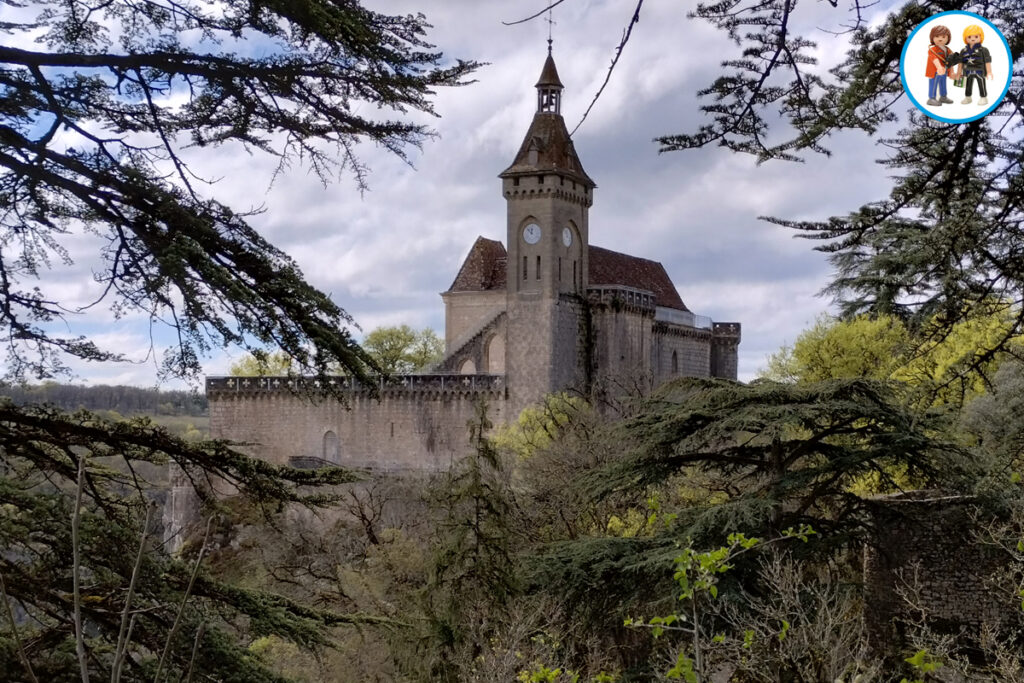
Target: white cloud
<point x="385" y="255"/>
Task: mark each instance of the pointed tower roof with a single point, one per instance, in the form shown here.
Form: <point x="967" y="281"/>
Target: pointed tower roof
<point x="549" y="75"/>
<point x="547" y="147"/>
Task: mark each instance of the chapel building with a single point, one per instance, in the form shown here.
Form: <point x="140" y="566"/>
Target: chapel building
<point x="544" y="312"/>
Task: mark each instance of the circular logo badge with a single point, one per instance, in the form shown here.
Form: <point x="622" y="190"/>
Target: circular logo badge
<point x="955" y="67"/>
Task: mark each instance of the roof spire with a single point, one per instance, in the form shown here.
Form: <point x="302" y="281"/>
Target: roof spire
<point x="550" y="24"/>
<point x="549" y="87"/>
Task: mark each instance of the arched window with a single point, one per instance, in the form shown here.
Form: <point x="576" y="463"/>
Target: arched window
<point x="496" y="355"/>
<point x="675" y="363"/>
<point x="331" y="448"/>
<point x="468" y="367"/>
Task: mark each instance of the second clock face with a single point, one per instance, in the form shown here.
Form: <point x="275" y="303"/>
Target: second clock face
<point x="531" y="233"/>
<point x="566" y="237"/>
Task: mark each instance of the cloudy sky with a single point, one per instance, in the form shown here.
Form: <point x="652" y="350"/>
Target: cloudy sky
<point x="386" y="255"/>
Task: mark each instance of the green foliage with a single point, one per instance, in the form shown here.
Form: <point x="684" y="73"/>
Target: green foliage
<point x="541" y="424"/>
<point x="473" y="567"/>
<point x="43" y="449"/>
<point x="697" y="574"/>
<point x="863" y="347"/>
<point x="171" y="252"/>
<point x="938" y="364"/>
<point x="124" y="399"/>
<point x="947" y="237"/>
<point x="798" y="448"/>
<point x="101" y="101"/>
<point x="401" y="349"/>
<point x="260" y="363"/>
<point x="924" y="663"/>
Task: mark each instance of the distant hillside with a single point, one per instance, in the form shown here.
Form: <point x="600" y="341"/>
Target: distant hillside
<point x="121" y="399"/>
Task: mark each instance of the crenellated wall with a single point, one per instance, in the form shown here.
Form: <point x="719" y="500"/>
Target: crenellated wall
<point x="418" y="422"/>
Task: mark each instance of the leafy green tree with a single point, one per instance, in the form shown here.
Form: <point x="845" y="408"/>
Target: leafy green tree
<point x="100" y="100"/>
<point x="940" y="367"/>
<point x="948" y="237"/>
<point x="772" y="455"/>
<point x="256" y="364"/>
<point x="400" y="349"/>
<point x="865" y="347"/>
<point x="473" y="572"/>
<point x="541" y="424"/>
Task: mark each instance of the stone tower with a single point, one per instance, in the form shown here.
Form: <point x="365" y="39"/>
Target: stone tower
<point x="548" y="195"/>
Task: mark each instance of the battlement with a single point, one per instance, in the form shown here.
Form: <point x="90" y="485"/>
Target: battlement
<point x="726" y="331"/>
<point x="446" y="383"/>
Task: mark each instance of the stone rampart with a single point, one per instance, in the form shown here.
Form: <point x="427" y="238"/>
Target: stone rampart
<point x="411" y="423"/>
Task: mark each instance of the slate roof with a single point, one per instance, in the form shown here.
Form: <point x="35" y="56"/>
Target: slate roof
<point x="484" y="270"/>
<point x="549" y="74"/>
<point x="609" y="267"/>
<point x="555" y="151"/>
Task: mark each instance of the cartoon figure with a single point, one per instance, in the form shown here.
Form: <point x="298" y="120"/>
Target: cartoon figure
<point x="938" y="54"/>
<point x="974" y="64"/>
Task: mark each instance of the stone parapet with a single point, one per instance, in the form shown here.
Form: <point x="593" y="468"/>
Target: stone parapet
<point x="727" y="331"/>
<point x="397" y="384"/>
<point x="621" y="296"/>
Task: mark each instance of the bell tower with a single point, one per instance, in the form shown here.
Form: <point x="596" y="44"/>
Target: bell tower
<point x="548" y="196"/>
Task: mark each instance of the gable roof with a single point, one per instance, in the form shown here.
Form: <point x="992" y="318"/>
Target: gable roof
<point x="484" y="268"/>
<point x="609" y="267"/>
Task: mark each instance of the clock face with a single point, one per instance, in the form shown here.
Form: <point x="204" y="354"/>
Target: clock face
<point x="531" y="233"/>
<point x="566" y="236"/>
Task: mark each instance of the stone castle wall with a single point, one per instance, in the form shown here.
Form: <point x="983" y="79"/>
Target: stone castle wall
<point x="924" y="545"/>
<point x="420" y="423"/>
<point x="680" y="352"/>
<point x="465" y="312"/>
<point x="725" y="342"/>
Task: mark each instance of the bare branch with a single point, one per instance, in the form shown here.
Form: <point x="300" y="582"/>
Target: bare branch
<point x="122" y="640"/>
<point x="14" y="630"/>
<point x="184" y="602"/>
<point x="618" y="53"/>
<point x="76" y="568"/>
<point x="556" y="3"/>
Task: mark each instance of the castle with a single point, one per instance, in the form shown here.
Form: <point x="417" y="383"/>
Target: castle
<point x="545" y="312"/>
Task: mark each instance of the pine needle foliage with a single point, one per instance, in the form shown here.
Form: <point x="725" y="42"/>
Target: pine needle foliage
<point x="102" y="102"/>
<point x="43" y="449"/>
<point x="947" y="240"/>
<point x="106" y="106"/>
<point x="473" y="571"/>
<point x="790" y="453"/>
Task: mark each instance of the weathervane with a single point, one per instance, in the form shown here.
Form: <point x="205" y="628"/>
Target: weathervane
<point x="550" y="24"/>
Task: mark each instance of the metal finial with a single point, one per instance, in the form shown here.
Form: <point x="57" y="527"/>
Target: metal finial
<point x="550" y="24"/>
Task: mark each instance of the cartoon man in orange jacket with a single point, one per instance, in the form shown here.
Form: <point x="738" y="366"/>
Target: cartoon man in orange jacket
<point x="938" y="55"/>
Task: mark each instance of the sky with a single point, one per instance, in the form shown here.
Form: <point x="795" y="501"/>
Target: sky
<point x="386" y="254"/>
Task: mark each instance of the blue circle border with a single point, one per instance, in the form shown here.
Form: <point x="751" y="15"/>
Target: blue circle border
<point x="903" y="74"/>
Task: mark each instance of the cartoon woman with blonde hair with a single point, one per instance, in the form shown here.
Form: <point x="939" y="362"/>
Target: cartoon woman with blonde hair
<point x="938" y="54"/>
<point x="975" y="64"/>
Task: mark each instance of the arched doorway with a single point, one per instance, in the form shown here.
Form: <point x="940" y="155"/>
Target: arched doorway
<point x="332" y="448"/>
